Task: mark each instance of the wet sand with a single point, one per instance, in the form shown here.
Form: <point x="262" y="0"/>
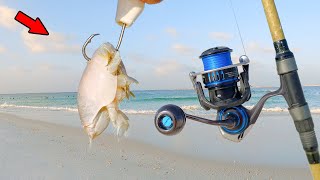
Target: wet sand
<point x="33" y="149"/>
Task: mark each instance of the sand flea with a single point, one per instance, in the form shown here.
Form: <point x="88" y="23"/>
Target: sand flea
<point x="104" y="84"/>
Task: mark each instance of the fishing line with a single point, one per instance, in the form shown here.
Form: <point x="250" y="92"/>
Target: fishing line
<point x="235" y="18"/>
<point x="121" y="36"/>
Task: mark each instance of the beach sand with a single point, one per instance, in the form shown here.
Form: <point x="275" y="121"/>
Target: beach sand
<point x="33" y="149"/>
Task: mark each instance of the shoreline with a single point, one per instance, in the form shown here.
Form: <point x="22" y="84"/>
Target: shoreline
<point x="32" y="148"/>
<point x="183" y="89"/>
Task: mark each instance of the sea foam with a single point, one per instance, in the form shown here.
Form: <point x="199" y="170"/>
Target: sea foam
<point x="188" y="108"/>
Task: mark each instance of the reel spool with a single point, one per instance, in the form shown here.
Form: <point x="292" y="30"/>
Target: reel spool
<point x="221" y="78"/>
<point x="222" y="84"/>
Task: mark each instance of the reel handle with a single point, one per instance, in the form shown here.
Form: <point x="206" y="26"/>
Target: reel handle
<point x="170" y="120"/>
<point x="230" y="123"/>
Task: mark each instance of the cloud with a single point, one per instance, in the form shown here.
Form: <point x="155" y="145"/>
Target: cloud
<point x="2" y="49"/>
<point x="183" y="49"/>
<point x="7" y="17"/>
<point x="168" y="68"/>
<point x="56" y="42"/>
<point x="138" y="58"/>
<point x="18" y="70"/>
<point x="295" y="50"/>
<point x="222" y="36"/>
<point x="151" y="37"/>
<point x="46" y="67"/>
<point x="256" y="47"/>
<point x="171" y="31"/>
<point x="35" y="77"/>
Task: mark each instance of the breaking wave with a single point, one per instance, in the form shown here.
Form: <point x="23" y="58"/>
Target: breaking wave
<point x="5" y="105"/>
<point x="192" y="108"/>
<point x="131" y="111"/>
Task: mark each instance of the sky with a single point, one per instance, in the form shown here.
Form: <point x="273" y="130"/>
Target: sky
<point x="161" y="47"/>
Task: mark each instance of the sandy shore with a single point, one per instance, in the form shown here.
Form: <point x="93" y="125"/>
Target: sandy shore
<point x="33" y="149"/>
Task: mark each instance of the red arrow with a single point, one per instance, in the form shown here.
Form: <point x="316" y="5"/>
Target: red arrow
<point x="35" y="26"/>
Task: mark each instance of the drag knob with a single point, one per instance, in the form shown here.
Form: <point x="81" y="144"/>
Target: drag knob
<point x="170" y="119"/>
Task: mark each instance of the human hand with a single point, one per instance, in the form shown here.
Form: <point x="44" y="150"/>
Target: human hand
<point x="151" y="1"/>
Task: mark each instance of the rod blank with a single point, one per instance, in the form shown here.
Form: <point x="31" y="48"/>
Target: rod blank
<point x="273" y="20"/>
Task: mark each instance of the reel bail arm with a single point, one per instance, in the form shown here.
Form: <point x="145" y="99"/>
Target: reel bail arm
<point x="245" y="89"/>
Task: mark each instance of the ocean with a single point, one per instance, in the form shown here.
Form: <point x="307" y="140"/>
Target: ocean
<point x="274" y="127"/>
<point x="146" y="101"/>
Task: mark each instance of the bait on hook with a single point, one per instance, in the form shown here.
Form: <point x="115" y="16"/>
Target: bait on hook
<point x="93" y="35"/>
<point x="104" y="84"/>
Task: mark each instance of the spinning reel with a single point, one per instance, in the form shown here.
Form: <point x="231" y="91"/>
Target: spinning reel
<point x="228" y="90"/>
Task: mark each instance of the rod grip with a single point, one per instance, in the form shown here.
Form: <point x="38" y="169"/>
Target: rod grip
<point x="315" y="170"/>
<point x="273" y="20"/>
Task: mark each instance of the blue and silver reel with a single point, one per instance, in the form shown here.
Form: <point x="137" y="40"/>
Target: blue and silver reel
<point x="221" y="79"/>
<point x="228" y="90"/>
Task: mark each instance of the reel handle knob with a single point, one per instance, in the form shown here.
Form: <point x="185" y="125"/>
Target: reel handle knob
<point x="170" y="120"/>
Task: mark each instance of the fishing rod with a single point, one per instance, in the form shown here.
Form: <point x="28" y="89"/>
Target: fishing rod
<point x="288" y="71"/>
<point x="229" y="90"/>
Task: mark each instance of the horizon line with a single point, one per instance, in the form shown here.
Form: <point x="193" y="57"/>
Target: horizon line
<point x="315" y="85"/>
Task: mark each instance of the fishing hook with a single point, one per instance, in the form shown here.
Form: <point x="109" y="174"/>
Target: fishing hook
<point x="85" y="45"/>
<point x="93" y="35"/>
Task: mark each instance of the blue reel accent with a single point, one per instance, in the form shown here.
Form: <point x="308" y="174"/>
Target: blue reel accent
<point x="214" y="58"/>
<point x="216" y="83"/>
<point x="242" y="119"/>
<point x="215" y="61"/>
<point x="166" y="122"/>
